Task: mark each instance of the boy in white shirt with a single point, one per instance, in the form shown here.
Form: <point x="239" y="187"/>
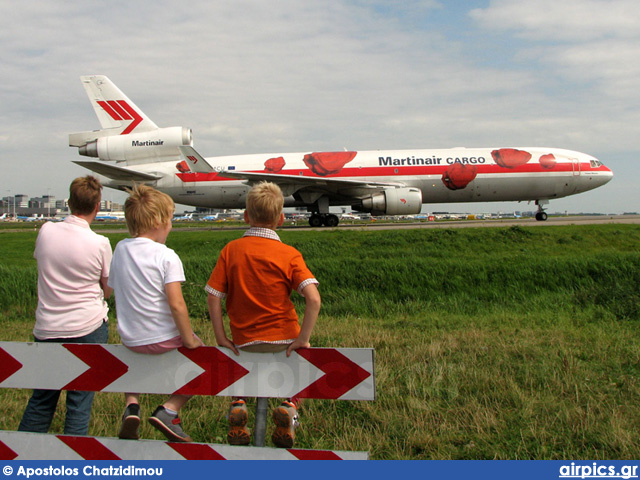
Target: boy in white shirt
<point x="146" y="277"/>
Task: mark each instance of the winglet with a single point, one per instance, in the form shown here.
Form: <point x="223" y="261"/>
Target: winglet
<point x="197" y="162"/>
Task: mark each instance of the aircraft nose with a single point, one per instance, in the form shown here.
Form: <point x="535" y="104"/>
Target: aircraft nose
<point x="604" y="175"/>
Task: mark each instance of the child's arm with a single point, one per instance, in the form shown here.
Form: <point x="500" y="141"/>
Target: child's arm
<point x="215" y="313"/>
<point x="311" y="310"/>
<point x="181" y="315"/>
<point x="104" y="284"/>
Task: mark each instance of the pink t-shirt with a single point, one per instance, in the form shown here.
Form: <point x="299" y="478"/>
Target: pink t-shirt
<point x="71" y="261"/>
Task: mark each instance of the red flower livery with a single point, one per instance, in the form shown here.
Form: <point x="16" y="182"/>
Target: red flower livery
<point x="274" y="165"/>
<point x="327" y="163"/>
<point x="510" y="157"/>
<point x="459" y="175"/>
<point x="548" y="161"/>
<point x="183" y="167"/>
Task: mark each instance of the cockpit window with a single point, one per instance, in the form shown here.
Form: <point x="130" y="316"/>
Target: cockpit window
<point x="596" y="163"/>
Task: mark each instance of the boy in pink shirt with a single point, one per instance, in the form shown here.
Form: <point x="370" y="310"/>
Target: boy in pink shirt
<point x="73" y="269"/>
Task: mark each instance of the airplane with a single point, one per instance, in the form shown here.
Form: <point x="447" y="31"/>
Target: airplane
<point x="130" y="148"/>
<point x="183" y="218"/>
<point x="34" y="218"/>
<point x="102" y="216"/>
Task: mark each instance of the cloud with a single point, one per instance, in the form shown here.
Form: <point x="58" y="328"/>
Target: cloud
<point x="584" y="57"/>
<point x="565" y="21"/>
<point x="581" y="41"/>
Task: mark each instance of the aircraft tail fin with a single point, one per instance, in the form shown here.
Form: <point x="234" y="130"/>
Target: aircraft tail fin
<point x="113" y="108"/>
<point x="117" y="114"/>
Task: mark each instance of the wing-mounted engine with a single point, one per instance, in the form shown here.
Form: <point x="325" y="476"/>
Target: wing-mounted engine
<point x="392" y="201"/>
<point x="157" y="145"/>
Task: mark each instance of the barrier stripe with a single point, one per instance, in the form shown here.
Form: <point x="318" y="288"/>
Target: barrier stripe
<point x="330" y="373"/>
<point x="88" y="448"/>
<point x="39" y="446"/>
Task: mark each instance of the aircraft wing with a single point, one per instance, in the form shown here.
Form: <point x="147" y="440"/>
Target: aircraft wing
<point x="117" y="173"/>
<point x="292" y="183"/>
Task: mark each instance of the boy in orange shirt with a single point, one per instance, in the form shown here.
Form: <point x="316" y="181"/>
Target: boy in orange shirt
<point x="255" y="275"/>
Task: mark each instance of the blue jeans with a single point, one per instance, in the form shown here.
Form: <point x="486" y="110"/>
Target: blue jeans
<point x="39" y="413"/>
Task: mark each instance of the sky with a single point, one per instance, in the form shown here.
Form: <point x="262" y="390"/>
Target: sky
<point x="292" y="76"/>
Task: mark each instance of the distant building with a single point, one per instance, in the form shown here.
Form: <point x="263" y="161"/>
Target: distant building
<point x="109" y="206"/>
<point x="48" y="201"/>
<point x="21" y="201"/>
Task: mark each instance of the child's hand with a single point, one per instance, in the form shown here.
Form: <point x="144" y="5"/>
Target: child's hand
<point x="193" y="342"/>
<point x="228" y="344"/>
<point x="296" y="344"/>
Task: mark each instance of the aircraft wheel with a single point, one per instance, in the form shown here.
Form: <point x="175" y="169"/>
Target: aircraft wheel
<point x="331" y="220"/>
<point x="541" y="216"/>
<point x="315" y="220"/>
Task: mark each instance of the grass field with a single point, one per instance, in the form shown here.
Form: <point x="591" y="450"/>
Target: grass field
<point x="506" y="343"/>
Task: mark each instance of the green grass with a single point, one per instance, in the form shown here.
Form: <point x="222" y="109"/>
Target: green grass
<point x="508" y="343"/>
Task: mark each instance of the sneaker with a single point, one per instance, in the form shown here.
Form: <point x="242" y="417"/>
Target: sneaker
<point x="286" y="420"/>
<point x="238" y="416"/>
<point x="130" y="422"/>
<point x="169" y="425"/>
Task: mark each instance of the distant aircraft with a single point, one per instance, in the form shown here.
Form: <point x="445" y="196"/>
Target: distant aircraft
<point x="131" y="148"/>
<point x="182" y="218"/>
<point x="209" y="218"/>
<point x="110" y="216"/>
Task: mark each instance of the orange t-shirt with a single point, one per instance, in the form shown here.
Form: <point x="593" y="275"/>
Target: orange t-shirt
<point x="257" y="275"/>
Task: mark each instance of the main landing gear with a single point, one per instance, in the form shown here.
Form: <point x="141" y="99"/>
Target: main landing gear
<point x="541" y="215"/>
<point x="326" y="219"/>
<point x="320" y="213"/>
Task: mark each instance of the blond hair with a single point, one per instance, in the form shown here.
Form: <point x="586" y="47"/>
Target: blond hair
<point x="85" y="194"/>
<point x="264" y="204"/>
<point x="147" y="208"/>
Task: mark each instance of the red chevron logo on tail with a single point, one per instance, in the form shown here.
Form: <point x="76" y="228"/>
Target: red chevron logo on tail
<point x="121" y="111"/>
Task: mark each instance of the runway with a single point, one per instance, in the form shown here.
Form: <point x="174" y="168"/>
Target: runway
<point x="502" y="222"/>
<point x="391" y="225"/>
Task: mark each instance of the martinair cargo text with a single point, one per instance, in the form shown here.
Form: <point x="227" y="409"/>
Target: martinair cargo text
<point x="131" y="148"/>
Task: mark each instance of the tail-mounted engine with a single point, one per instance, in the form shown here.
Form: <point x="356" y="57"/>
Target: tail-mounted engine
<point x="392" y="201"/>
<point x="155" y="145"/>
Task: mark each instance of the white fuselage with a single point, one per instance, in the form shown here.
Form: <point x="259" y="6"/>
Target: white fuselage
<point x="442" y="175"/>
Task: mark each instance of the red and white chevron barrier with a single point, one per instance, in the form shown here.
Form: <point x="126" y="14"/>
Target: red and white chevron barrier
<point x="332" y="373"/>
<point x="38" y="446"/>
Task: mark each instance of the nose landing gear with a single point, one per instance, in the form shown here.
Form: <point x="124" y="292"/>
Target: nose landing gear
<point x="541" y="215"/>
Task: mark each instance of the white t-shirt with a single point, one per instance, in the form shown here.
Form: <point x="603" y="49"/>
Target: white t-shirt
<point x="140" y="269"/>
<point x="72" y="259"/>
